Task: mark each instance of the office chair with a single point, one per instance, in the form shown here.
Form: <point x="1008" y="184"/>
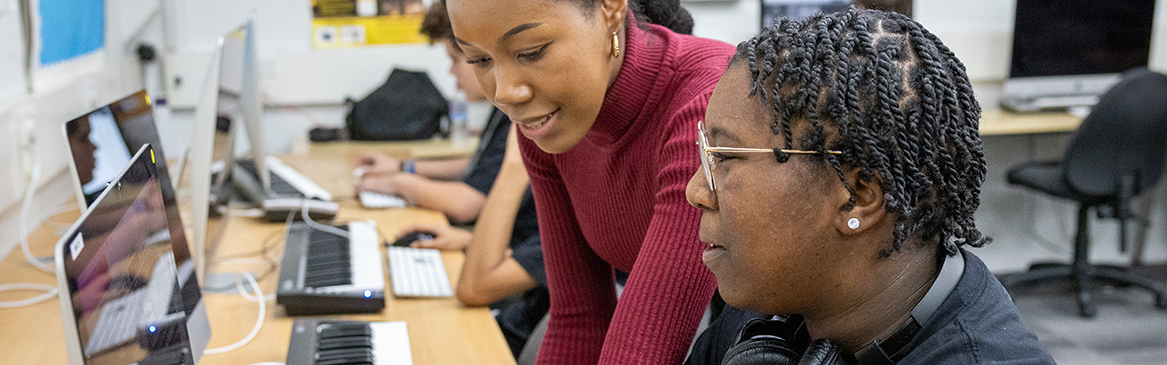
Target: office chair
<point x="1115" y="154"/>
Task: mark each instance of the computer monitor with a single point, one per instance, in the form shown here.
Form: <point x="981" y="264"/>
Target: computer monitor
<point x="239" y="99"/>
<point x="1076" y="47"/>
<point x="100" y="143"/>
<point x="210" y="194"/>
<point x="121" y="284"/>
<point x="231" y="99"/>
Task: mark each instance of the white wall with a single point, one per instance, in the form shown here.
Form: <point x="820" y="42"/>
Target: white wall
<point x="317" y="80"/>
<point x="292" y="71"/>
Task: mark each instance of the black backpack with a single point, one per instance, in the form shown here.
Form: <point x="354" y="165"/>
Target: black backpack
<point x="406" y="107"/>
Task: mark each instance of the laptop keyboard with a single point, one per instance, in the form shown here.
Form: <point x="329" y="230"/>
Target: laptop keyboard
<point x="418" y="272"/>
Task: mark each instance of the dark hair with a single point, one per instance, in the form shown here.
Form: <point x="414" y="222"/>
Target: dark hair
<point x="436" y="25"/>
<point x="898" y="104"/>
<point x="666" y="13"/>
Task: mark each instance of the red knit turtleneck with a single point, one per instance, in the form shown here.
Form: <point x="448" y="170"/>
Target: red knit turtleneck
<point x="617" y="200"/>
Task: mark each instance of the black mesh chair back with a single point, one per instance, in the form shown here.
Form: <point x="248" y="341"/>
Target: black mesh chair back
<point x="1124" y="135"/>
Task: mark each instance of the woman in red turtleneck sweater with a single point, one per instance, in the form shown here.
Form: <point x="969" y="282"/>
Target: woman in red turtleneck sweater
<point x="607" y="106"/>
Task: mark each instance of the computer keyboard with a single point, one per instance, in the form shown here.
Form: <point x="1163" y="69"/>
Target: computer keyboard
<point x="418" y="272"/>
<point x="279" y="186"/>
<point x="1049" y="102"/>
<point x="1065" y="101"/>
<point x="117" y="323"/>
<point x="155" y="304"/>
<point x="374" y="200"/>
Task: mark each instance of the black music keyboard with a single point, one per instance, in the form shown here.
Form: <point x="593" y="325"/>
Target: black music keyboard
<point x="324" y="273"/>
<point x="327" y="342"/>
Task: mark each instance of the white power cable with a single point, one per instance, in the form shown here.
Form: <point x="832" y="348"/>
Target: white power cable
<point x="258" y="320"/>
<point x="254" y="298"/>
<point x="50" y="291"/>
<point x="22" y="223"/>
<point x="318" y="226"/>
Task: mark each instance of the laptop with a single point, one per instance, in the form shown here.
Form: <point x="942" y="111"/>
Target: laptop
<point x="231" y="97"/>
<point x="121" y="286"/>
<point x="100" y="143"/>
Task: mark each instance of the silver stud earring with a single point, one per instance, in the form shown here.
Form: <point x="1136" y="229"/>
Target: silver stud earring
<point x="853" y="223"/>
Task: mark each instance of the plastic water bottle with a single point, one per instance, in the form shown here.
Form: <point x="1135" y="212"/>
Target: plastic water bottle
<point x="459" y="120"/>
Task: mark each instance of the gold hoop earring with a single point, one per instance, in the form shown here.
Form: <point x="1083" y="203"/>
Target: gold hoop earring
<point x="615" y="45"/>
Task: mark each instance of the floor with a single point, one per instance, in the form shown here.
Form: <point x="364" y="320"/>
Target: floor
<point x="1128" y="329"/>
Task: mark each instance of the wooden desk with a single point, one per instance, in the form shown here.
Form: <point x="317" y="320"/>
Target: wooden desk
<point x="999" y="122"/>
<point x="441" y="331"/>
<point x="422" y="149"/>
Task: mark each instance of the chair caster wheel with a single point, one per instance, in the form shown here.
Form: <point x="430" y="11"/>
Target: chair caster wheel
<point x="1161" y="301"/>
<point x="1087" y="311"/>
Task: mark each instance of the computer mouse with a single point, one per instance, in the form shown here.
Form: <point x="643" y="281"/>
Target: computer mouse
<point x="407" y="239"/>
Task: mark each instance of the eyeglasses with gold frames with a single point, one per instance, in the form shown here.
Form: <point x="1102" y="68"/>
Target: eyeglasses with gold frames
<point x="707" y="161"/>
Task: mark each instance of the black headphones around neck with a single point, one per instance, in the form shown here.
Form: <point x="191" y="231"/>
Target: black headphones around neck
<point x="785" y="341"/>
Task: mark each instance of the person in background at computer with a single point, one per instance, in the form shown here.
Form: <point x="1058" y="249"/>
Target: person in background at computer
<point x="504" y="261"/>
<point x="83" y="158"/>
<point x="456" y="187"/>
<point x="841" y="167"/>
<point x="607" y="100"/>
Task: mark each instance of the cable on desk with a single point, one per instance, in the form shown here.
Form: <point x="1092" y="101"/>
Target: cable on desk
<point x="262" y="252"/>
<point x="22" y="223"/>
<point x="253" y="298"/>
<point x="258" y="320"/>
<point x="268" y="245"/>
<point x="318" y="226"/>
<point x="50" y="291"/>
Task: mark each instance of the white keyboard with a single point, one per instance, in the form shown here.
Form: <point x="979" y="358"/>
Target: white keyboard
<point x="117" y="324"/>
<point x="120" y="318"/>
<point x="418" y="272"/>
<point x="302" y="183"/>
<point x="373" y="200"/>
<point x="1066" y="101"/>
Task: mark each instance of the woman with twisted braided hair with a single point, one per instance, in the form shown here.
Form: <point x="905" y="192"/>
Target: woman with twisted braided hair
<point x="841" y="169"/>
<point x="606" y="95"/>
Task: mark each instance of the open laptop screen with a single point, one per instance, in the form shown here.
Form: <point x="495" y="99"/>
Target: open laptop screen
<point x="118" y="276"/>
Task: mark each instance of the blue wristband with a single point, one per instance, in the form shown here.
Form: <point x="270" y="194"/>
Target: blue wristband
<point x="409" y="166"/>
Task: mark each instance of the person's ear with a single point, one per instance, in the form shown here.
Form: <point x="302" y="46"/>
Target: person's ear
<point x="613" y="13"/>
<point x="869" y="208"/>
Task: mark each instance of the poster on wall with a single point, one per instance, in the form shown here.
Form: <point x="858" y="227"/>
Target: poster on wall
<point x="68" y="29"/>
<point x="358" y="23"/>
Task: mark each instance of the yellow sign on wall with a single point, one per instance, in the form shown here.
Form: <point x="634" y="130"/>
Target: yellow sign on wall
<point x="355" y="23"/>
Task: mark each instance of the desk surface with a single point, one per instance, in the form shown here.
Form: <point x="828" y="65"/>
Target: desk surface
<point x="999" y="122"/>
<point x="441" y="331"/>
<point x="422" y="149"/>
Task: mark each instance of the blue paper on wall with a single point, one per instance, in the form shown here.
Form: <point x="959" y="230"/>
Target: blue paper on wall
<point x="70" y="28"/>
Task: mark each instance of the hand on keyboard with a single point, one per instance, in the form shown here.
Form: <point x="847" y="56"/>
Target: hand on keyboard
<point x="442" y="237"/>
<point x="378" y="163"/>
